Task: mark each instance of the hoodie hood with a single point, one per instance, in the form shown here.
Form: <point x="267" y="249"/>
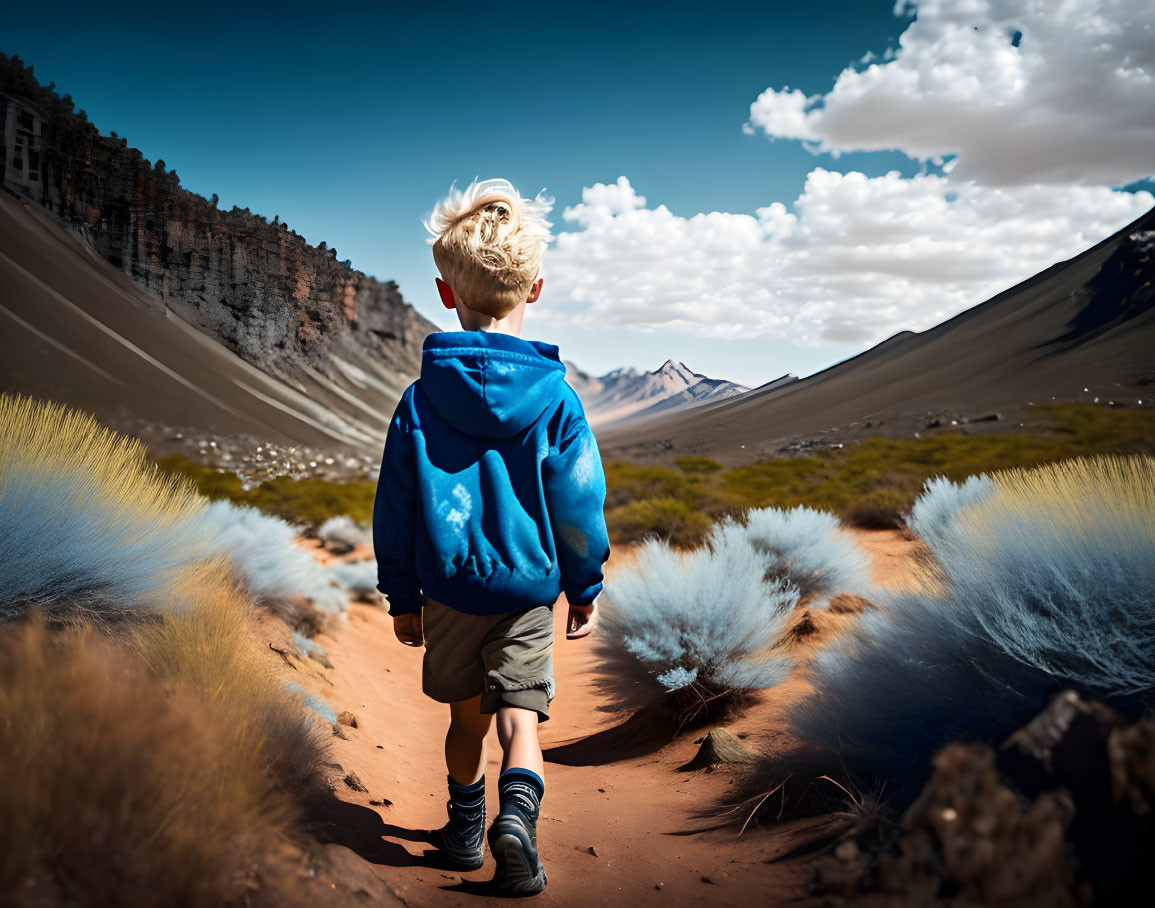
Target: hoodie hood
<point x="489" y="384"/>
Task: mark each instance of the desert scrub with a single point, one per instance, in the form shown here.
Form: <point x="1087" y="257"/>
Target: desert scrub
<point x="1036" y="580"/>
<point x="203" y="645"/>
<point x="808" y="550"/>
<point x="359" y="577"/>
<point x="696" y="629"/>
<point x="310" y="501"/>
<point x="668" y="519"/>
<point x="90" y="529"/>
<point x="873" y="483"/>
<point x="87" y="525"/>
<point x="150" y="758"/>
<point x="692" y="628"/>
<point x="149" y="767"/>
<point x="697" y="465"/>
<point x="344" y="532"/>
<point x="275" y="570"/>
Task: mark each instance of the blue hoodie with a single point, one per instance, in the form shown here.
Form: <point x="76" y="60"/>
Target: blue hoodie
<point x="491" y="490"/>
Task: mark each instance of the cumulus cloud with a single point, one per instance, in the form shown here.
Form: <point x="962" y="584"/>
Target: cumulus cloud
<point x="1022" y="91"/>
<point x="857" y="259"/>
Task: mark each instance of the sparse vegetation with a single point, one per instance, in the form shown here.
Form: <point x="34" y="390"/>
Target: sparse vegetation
<point x="697" y="629"/>
<point x="147" y="767"/>
<point x="871" y="484"/>
<point x="309" y="501"/>
<point x="87" y="526"/>
<point x="1038" y="579"/>
<point x="264" y="555"/>
<point x="696" y="465"/>
<point x="345" y="532"/>
<point x="153" y="758"/>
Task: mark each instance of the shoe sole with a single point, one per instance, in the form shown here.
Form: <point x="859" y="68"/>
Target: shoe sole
<point x="514" y="872"/>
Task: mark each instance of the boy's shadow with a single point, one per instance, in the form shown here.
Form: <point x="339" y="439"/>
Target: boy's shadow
<point x="361" y="830"/>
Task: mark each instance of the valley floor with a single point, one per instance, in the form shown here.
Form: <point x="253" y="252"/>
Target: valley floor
<point x="616" y="831"/>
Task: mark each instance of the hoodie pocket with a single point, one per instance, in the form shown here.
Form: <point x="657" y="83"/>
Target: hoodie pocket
<point x="478" y="525"/>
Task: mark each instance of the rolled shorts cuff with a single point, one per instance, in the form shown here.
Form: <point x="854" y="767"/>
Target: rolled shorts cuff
<point x="535" y="698"/>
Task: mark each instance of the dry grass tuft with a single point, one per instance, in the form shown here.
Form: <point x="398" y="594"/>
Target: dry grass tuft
<point x="205" y="645"/>
<point x="151" y="767"/>
<point x="90" y="528"/>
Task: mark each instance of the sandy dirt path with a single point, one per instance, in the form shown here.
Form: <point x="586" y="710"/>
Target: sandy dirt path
<point x="622" y="832"/>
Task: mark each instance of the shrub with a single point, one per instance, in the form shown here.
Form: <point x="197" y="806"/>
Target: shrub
<point x="313" y="500"/>
<point x="204" y="645"/>
<point x="87" y="525"/>
<point x="942" y="501"/>
<point x="151" y="767"/>
<point x="107" y="787"/>
<point x="670" y="519"/>
<point x="805" y="548"/>
<point x="358" y="576"/>
<point x="694" y="465"/>
<point x="878" y="509"/>
<point x="310" y="501"/>
<point x="1041" y="579"/>
<point x="1058" y="568"/>
<point x="262" y="550"/>
<point x="873" y="483"/>
<point x="703" y="623"/>
<point x="345" y="530"/>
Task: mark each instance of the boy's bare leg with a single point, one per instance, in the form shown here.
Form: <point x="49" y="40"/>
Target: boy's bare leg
<point x="517" y="731"/>
<point x="465" y="740"/>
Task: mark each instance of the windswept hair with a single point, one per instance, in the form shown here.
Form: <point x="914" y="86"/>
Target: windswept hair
<point x="488" y="242"/>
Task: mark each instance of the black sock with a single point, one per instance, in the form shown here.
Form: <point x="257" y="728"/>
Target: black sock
<point x="521" y="791"/>
<point x="466" y="806"/>
<point x="466" y="794"/>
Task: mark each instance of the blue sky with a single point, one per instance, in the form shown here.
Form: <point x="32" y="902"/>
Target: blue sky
<point x="350" y="120"/>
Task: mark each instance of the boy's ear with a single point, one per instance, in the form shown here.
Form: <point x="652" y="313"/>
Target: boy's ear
<point x="535" y="291"/>
<point x="446" y="293"/>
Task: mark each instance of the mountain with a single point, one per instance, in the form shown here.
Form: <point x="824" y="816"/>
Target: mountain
<point x="1087" y="323"/>
<point x="124" y="293"/>
<point x="628" y="394"/>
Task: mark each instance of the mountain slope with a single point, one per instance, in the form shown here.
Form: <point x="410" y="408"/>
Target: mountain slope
<point x="125" y="293"/>
<point x="1084" y="323"/>
<point x="78" y="330"/>
<point x="627" y="394"/>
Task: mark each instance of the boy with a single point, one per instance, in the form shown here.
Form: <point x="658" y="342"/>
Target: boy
<point x="488" y="507"/>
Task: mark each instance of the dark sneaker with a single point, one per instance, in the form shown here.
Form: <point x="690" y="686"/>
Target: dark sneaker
<point x="514" y="846"/>
<point x="463" y="836"/>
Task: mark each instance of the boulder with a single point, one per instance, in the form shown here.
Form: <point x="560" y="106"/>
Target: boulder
<point x="719" y="746"/>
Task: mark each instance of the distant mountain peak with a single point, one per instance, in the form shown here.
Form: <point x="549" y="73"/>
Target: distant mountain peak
<point x="674" y="369"/>
<point x="627" y="391"/>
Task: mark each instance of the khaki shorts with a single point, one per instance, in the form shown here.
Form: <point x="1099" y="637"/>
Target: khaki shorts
<point x="507" y="658"/>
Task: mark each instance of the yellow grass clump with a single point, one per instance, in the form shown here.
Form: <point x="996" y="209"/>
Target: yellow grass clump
<point x="1071" y="498"/>
<point x="43" y="441"/>
<point x="88" y="526"/>
<point x="150" y="767"/>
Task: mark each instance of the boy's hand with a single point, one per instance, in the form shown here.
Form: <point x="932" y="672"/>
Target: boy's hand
<point x="408" y="629"/>
<point x="578" y="624"/>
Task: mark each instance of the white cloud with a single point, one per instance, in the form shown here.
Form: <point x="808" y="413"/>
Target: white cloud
<point x="858" y="259"/>
<point x="1074" y="102"/>
<point x="1035" y="135"/>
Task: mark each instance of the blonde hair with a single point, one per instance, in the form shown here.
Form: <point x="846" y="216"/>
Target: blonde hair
<point x="488" y="242"/>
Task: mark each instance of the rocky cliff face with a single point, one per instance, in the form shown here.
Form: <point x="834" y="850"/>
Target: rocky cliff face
<point x="256" y="286"/>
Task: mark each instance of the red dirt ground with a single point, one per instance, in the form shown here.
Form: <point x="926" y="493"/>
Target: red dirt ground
<point x="637" y="814"/>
